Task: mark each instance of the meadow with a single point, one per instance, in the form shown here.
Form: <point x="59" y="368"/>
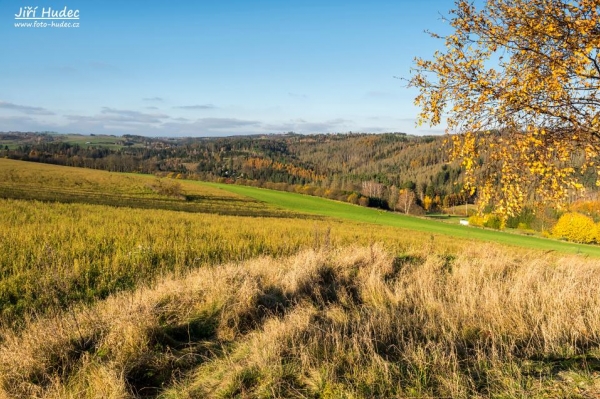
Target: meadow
<point x="13" y="141"/>
<point x="323" y="207"/>
<point x="75" y="235"/>
<point x="352" y="322"/>
<point x="36" y="181"/>
<point x="123" y="285"/>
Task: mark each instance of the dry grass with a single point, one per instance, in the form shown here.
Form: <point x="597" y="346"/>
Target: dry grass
<point x="53" y="255"/>
<point x="52" y="183"/>
<point x="354" y="322"/>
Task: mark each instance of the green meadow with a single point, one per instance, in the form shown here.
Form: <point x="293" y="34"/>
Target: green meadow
<point x="324" y="207"/>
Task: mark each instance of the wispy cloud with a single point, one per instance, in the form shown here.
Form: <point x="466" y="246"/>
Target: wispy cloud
<point x="25" y="123"/>
<point x="155" y="99"/>
<point x="16" y="119"/>
<point x="196" y="107"/>
<point x="302" y="126"/>
<point x="211" y="127"/>
<point x="376" y="129"/>
<point x="63" y="69"/>
<point x="112" y="115"/>
<point x="26" y="109"/>
<point x="224" y="123"/>
<point x="126" y="115"/>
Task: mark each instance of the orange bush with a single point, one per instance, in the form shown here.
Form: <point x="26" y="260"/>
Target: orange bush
<point x="587" y="207"/>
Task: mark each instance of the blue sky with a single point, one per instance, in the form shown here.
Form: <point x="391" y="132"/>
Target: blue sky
<point x="215" y="68"/>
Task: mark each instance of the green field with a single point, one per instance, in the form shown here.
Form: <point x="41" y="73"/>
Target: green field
<point x="43" y="182"/>
<point x="324" y="207"/>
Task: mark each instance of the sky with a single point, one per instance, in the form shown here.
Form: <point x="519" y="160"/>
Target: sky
<point x="214" y="68"/>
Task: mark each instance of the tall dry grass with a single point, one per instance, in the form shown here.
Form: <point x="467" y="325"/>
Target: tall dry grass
<point x="54" y="254"/>
<point x="353" y="322"/>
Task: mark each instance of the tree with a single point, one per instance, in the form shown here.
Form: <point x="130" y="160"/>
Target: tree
<point x="353" y="198"/>
<point x="427" y="202"/>
<point x="406" y="200"/>
<point x="519" y="83"/>
<point x="372" y="189"/>
<point x="392" y="197"/>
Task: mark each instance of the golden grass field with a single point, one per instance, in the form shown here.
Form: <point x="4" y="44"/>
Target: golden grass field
<point x="339" y="323"/>
<point x="113" y="289"/>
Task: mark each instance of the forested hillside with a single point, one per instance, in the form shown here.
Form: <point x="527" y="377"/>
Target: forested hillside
<point x="365" y="164"/>
<point x="394" y="171"/>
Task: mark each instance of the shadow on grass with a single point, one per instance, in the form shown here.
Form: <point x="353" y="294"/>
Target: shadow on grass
<point x="191" y="203"/>
<point x="178" y="348"/>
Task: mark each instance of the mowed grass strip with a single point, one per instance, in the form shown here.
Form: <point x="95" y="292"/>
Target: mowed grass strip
<point x="324" y="207"/>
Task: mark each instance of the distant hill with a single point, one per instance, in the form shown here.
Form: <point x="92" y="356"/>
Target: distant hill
<point x="345" y="167"/>
<point x="339" y="161"/>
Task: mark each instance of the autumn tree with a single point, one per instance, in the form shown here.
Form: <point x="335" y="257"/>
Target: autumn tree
<point x="406" y="200"/>
<point x="392" y="198"/>
<point x="518" y="84"/>
<point x="372" y="189"/>
<point x="427" y="203"/>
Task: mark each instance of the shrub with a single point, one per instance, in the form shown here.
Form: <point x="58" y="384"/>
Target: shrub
<point x="492" y="221"/>
<point x="575" y="227"/>
<point x="476" y="220"/>
<point x="170" y="189"/>
<point x="416" y="210"/>
<point x="487" y="220"/>
<point x="526" y="218"/>
<point x="353" y="198"/>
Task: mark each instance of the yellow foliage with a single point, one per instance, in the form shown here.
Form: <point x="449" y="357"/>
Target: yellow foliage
<point x="427" y="202"/>
<point x="476" y="220"/>
<point x="587" y="207"/>
<point x="520" y="86"/>
<point x="574" y="226"/>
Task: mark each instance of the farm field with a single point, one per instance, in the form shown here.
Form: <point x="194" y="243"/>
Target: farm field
<point x="101" y="140"/>
<point x="324" y="207"/>
<point x="36" y="181"/>
<point x="125" y="285"/>
<point x="77" y="235"/>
